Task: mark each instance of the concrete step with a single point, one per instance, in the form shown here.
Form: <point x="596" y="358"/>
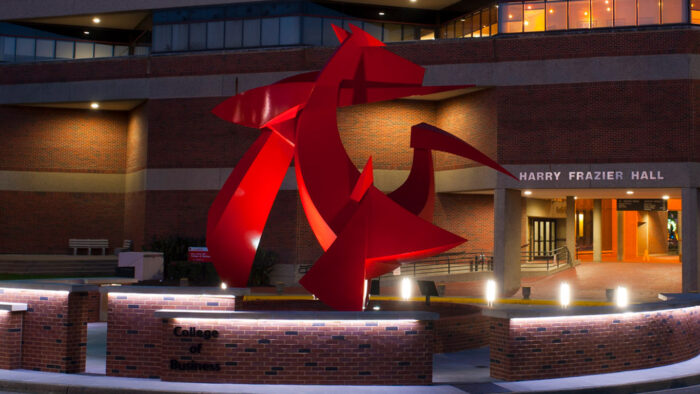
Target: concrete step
<point x="68" y="268"/>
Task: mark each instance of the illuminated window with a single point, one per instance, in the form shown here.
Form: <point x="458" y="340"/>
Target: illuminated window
<point x="601" y="13"/>
<point x="649" y="12"/>
<point x="695" y="12"/>
<point x="476" y="24"/>
<point x="450" y="31"/>
<point x="579" y="14"/>
<point x="533" y="16"/>
<point x="625" y="12"/>
<point x="494" y="20"/>
<point x="512" y="17"/>
<point x="580" y="225"/>
<point x="673" y="11"/>
<point x="467" y="26"/>
<point x="556" y="15"/>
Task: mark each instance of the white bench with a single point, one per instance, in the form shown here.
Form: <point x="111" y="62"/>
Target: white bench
<point x="88" y="244"/>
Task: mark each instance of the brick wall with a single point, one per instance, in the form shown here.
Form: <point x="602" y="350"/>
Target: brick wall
<point x="383" y="131"/>
<point x="302" y="352"/>
<point x="460" y="326"/>
<point x="457" y="333"/>
<point x="135" y="219"/>
<point x="134" y="334"/>
<point x="92" y="305"/>
<point x="628" y="121"/>
<point x="54" y="330"/>
<point x="471" y="117"/>
<point x="42" y="222"/>
<point x="11" y="340"/>
<point x="469" y="216"/>
<point x="66" y="140"/>
<point x="183" y="133"/>
<point x="137" y="138"/>
<point x="541" y="348"/>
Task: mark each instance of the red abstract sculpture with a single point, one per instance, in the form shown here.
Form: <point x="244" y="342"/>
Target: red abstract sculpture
<point x="363" y="232"/>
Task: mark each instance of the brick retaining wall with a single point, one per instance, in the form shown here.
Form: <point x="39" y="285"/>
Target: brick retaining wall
<point x="542" y="348"/>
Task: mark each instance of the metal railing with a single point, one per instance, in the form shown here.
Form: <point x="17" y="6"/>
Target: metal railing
<point x="550" y="260"/>
<point x="442" y="264"/>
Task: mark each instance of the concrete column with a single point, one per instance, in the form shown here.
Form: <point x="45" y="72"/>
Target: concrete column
<point x="620" y="235"/>
<point x="597" y="230"/>
<point x="571" y="227"/>
<point x="691" y="240"/>
<point x="507" y="209"/>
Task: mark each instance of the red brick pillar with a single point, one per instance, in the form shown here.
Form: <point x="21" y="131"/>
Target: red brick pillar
<point x="54" y="328"/>
<point x="11" y="340"/>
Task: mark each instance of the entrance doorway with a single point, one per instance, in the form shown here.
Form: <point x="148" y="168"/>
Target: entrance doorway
<point x="542" y="238"/>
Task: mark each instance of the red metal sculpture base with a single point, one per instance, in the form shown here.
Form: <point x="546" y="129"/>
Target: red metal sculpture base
<point x="363" y="232"/>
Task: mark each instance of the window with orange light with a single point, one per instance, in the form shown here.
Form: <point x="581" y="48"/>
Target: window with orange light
<point x="556" y="15"/>
<point x="674" y="11"/>
<point x="625" y="12"/>
<point x="648" y="12"/>
<point x="579" y="14"/>
<point x="695" y="12"/>
<point x="601" y="13"/>
<point x="533" y="16"/>
<point x="512" y="17"/>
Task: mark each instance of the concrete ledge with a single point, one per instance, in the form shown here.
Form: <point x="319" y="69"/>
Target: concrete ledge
<point x="48" y="286"/>
<point x="209" y="291"/>
<point x="533" y="311"/>
<point x="297" y="315"/>
<point x="13" y="307"/>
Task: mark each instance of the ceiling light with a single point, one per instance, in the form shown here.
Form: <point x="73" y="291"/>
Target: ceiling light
<point x="527" y="192"/>
<point x="630" y="192"/>
<point x="665" y="197"/>
<point x="381" y="13"/>
<point x="462" y="20"/>
<point x="94" y="105"/>
<point x="575" y="197"/>
<point x="96" y="20"/>
<point x="413" y="1"/>
<point x="86" y="32"/>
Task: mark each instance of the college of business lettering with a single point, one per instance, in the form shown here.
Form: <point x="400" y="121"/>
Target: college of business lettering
<point x="195" y="349"/>
<point x="590" y="175"/>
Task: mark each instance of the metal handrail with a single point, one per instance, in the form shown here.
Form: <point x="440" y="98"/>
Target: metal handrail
<point x="556" y="257"/>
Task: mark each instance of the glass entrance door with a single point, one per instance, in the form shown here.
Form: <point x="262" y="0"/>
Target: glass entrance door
<point x="542" y="237"/>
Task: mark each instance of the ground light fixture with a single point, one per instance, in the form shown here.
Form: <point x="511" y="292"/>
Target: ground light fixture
<point x="94" y="105"/>
<point x="564" y="294"/>
<point x="621" y="297"/>
<point x="406" y="288"/>
<point x="223" y="285"/>
<point x="381" y="13"/>
<point x="490" y="292"/>
<point x="376" y="308"/>
<point x="87" y="33"/>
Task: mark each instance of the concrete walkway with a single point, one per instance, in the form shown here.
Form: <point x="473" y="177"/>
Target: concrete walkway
<point x="453" y="373"/>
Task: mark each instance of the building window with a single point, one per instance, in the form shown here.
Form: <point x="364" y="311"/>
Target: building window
<point x="649" y="12"/>
<point x="601" y="13"/>
<point x="556" y="15"/>
<point x="625" y="12"/>
<point x="673" y="11"/>
<point x="579" y="14"/>
<point x="533" y="18"/>
<point x="512" y="17"/>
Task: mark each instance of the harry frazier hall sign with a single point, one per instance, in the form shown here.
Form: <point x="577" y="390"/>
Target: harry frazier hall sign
<point x="583" y="176"/>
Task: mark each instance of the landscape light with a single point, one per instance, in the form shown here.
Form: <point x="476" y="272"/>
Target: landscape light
<point x="223" y="286"/>
<point x="621" y="297"/>
<point x="406" y="288"/>
<point x="490" y="292"/>
<point x="564" y="294"/>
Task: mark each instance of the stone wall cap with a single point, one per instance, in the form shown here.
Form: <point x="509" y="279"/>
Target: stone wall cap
<point x="535" y="311"/>
<point x="175" y="290"/>
<point x="297" y="315"/>
<point x="13" y="306"/>
<point x="49" y="286"/>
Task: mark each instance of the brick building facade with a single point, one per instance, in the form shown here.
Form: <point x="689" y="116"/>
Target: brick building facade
<point x="150" y="161"/>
